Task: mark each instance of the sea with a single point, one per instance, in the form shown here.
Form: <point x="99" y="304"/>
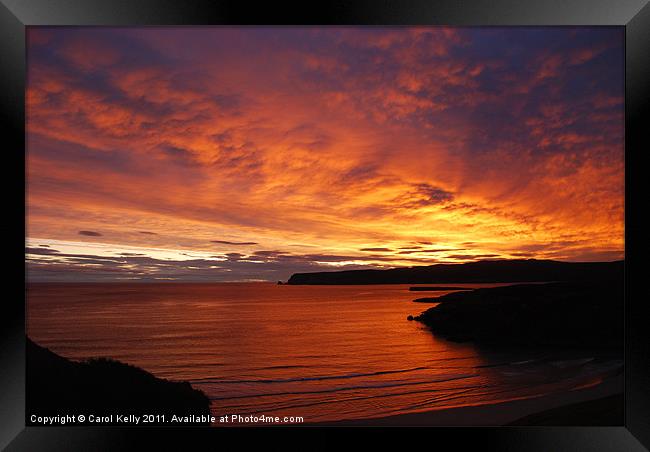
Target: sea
<point x="320" y="353"/>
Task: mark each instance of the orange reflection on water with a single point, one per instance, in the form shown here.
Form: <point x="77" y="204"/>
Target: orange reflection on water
<point x="321" y="352"/>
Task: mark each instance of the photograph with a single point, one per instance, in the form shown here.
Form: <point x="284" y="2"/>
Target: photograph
<point x="246" y="226"/>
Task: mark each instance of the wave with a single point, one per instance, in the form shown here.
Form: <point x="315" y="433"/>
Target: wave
<point x="571" y="362"/>
<point x="288" y="366"/>
<point x="316" y="378"/>
<point x="345" y="388"/>
<point x="508" y="363"/>
<point x="274" y="406"/>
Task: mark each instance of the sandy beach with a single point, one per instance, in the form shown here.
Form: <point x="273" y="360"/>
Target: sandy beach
<point x="564" y="403"/>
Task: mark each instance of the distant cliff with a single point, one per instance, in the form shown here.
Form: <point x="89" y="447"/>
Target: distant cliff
<point x="56" y="385"/>
<point x="530" y="270"/>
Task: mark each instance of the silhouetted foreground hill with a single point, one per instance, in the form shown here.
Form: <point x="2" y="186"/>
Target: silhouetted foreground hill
<point x="530" y="270"/>
<point x="575" y="314"/>
<point x="58" y="386"/>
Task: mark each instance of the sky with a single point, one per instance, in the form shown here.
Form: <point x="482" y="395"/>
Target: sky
<point x="251" y="153"/>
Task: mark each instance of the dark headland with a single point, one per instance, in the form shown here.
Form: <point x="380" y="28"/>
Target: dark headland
<point x="517" y="270"/>
<point x="436" y="288"/>
<point x="566" y="314"/>
<point x="56" y="385"/>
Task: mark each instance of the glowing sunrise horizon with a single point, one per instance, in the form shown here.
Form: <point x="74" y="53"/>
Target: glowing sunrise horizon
<point x="252" y="153"/>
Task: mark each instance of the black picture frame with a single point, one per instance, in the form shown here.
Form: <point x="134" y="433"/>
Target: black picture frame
<point x="634" y="15"/>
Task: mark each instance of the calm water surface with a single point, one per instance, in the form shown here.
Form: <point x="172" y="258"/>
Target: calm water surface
<point x="321" y="352"/>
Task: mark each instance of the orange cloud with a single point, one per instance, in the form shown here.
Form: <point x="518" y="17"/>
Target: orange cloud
<point x="336" y="140"/>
